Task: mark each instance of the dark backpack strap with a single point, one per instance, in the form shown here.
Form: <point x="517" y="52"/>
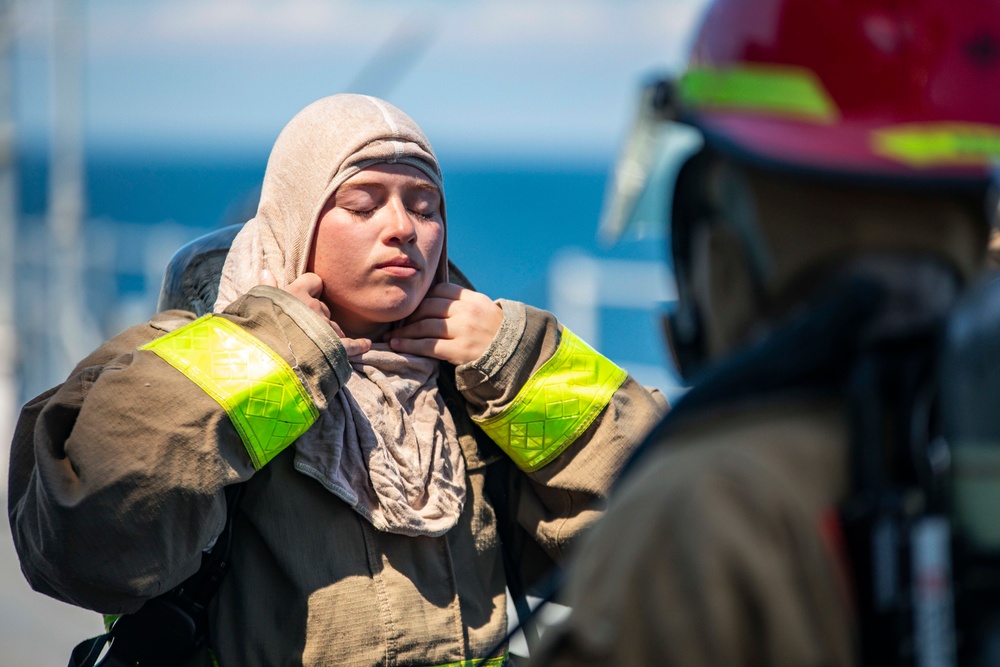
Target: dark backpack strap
<point x="496" y="487"/>
<point x="86" y="653"/>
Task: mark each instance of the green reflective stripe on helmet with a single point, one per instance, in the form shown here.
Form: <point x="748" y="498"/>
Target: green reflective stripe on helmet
<point x="556" y="405"/>
<point x="938" y="144"/>
<point x="771" y="90"/>
<point x="263" y="397"/>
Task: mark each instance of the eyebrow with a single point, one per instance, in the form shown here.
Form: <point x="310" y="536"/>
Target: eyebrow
<point x="360" y="185"/>
<point x="430" y="187"/>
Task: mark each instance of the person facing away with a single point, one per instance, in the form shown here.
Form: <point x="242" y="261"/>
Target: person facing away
<point x="834" y="204"/>
<point x="362" y="398"/>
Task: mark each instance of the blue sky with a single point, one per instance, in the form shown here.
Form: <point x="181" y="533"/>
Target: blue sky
<point x="548" y="78"/>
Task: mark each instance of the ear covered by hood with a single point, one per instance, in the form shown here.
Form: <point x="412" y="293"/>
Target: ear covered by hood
<point x="321" y="147"/>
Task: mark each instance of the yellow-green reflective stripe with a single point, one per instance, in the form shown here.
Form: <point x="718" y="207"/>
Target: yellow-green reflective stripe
<point x="479" y="662"/>
<point x="772" y="90"/>
<point x="556" y="405"/>
<point x="260" y="392"/>
<point x="109" y="620"/>
<point x="938" y="144"/>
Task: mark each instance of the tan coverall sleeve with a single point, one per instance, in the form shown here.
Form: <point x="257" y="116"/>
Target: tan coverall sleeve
<point x="553" y="504"/>
<point x="116" y="475"/>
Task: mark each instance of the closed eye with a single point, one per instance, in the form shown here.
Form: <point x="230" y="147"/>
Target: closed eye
<point x="360" y="213"/>
<point x="426" y="215"/>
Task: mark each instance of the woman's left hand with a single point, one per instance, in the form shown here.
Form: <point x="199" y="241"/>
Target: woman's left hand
<point x="452" y="324"/>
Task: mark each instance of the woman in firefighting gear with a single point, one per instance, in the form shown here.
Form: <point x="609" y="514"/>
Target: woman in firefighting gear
<point x="835" y="202"/>
<point x="363" y="398"/>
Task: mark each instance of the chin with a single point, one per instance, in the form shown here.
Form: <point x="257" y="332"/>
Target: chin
<point x="386" y="306"/>
<point x="391" y="314"/>
<point x="398" y="306"/>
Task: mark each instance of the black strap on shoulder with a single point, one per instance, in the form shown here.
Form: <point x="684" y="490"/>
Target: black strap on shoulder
<point x="496" y="487"/>
<point x="169" y="628"/>
<point x="87" y="652"/>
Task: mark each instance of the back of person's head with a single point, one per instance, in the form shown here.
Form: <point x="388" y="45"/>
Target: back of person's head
<point x="832" y="132"/>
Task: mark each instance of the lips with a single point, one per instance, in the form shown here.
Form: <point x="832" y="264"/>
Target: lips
<point x="399" y="266"/>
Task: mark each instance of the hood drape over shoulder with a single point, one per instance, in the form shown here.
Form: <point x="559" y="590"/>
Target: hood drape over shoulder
<point x="326" y="143"/>
<point x="386" y="444"/>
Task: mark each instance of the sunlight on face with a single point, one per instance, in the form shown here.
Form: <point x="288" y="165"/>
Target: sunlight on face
<point x="377" y="247"/>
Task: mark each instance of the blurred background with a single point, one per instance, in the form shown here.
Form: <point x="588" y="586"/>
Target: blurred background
<point x="130" y="127"/>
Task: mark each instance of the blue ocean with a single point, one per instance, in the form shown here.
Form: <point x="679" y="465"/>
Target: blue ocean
<point x="519" y="229"/>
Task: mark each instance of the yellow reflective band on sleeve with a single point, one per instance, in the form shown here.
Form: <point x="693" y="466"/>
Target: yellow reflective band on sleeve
<point x="478" y="662"/>
<point x="558" y="403"/>
<point x="938" y="144"/>
<point x="260" y="392"/>
<point x="770" y="90"/>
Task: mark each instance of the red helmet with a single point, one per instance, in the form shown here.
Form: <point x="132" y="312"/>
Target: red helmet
<point x="905" y="88"/>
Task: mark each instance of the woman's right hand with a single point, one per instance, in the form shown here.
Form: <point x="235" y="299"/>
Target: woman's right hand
<point x="307" y="288"/>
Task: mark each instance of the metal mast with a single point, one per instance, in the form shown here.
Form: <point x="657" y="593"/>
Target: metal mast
<point x="70" y="334"/>
<point x="8" y="228"/>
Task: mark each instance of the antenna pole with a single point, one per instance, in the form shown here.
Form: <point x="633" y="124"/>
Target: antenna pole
<point x="8" y="231"/>
<point x="69" y="330"/>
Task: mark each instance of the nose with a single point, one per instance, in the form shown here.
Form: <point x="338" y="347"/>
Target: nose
<point x="398" y="226"/>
